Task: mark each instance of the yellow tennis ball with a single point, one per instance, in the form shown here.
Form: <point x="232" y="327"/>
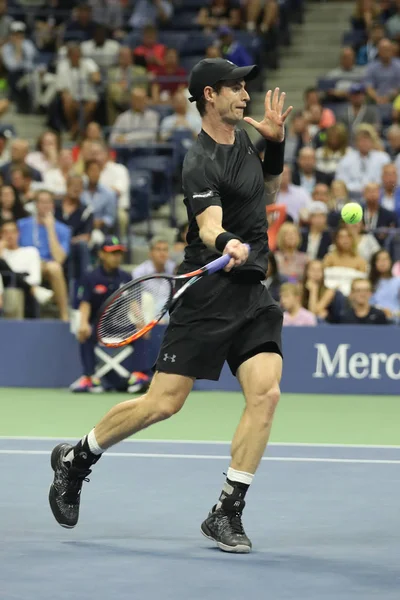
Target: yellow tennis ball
<point x="352" y="213"/>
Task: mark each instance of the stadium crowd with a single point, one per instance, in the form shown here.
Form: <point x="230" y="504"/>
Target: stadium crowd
<point x="112" y="82"/>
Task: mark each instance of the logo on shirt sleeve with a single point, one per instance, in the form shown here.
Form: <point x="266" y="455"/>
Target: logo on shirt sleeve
<point x="206" y="194"/>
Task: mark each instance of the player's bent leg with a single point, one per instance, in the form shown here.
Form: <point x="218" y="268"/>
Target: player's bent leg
<point x="72" y="464"/>
<point x="259" y="377"/>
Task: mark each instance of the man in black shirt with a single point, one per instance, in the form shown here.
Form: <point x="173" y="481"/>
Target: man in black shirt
<point x="361" y="312"/>
<point x="229" y="316"/>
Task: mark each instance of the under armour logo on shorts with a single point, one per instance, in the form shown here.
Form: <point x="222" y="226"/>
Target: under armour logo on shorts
<point x="171" y="358"/>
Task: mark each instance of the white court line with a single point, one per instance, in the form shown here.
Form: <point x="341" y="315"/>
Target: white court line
<point x="218" y="457"/>
<point x="204" y="442"/>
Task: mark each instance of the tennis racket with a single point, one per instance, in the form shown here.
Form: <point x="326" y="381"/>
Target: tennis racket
<point x="135" y="308"/>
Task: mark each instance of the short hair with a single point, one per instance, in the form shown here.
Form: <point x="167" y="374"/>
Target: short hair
<point x="158" y="239"/>
<point x="201" y="103"/>
<point x="291" y="288"/>
<point x="358" y="280"/>
<point x="44" y="191"/>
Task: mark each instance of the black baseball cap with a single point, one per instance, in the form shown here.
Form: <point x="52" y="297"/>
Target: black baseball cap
<point x="112" y="244"/>
<point x="212" y="70"/>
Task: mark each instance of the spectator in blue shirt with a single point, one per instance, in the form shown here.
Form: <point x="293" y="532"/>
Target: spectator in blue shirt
<point x="102" y="199"/>
<point x="369" y="51"/>
<point x="52" y="239"/>
<point x="232" y="50"/>
<point x="96" y="287"/>
<point x="383" y="75"/>
<point x="18" y="56"/>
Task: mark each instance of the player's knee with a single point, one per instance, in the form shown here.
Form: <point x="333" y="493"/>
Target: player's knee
<point x="263" y="404"/>
<point x="167" y="404"/>
<point x="53" y="268"/>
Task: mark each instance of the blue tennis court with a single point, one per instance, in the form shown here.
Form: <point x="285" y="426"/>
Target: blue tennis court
<point x="323" y="521"/>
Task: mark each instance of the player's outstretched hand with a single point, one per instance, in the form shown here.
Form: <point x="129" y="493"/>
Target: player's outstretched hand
<point x="239" y="253"/>
<point x="272" y="127"/>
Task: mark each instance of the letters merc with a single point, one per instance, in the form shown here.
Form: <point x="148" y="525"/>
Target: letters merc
<point x="344" y="364"/>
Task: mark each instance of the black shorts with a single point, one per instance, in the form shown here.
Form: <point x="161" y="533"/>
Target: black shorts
<point x="219" y="319"/>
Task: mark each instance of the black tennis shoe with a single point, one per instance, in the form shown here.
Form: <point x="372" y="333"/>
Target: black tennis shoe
<point x="65" y="491"/>
<point x="224" y="526"/>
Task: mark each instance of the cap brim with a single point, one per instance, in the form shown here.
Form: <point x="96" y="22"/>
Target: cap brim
<point x="118" y="248"/>
<point x="239" y="73"/>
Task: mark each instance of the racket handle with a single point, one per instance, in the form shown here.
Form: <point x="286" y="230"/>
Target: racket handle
<point x="220" y="263"/>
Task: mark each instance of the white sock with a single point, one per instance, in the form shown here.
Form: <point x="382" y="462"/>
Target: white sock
<point x="93" y="445"/>
<point x="234" y="476"/>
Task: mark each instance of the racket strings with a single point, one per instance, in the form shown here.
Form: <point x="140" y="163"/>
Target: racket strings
<point x="134" y="310"/>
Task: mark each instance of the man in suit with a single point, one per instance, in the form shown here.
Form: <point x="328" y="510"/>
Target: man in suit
<point x="316" y="239"/>
<point x="375" y="215"/>
<point x="305" y="174"/>
<point x="357" y="111"/>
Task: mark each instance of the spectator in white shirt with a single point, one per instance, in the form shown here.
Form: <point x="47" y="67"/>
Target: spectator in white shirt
<point x="180" y="120"/>
<point x="137" y="125"/>
<point x="116" y="177"/>
<point x="100" y="49"/>
<point x="55" y="180"/>
<point x="292" y="196"/>
<point x="76" y="80"/>
<point x="362" y="165"/>
<point x="46" y="155"/>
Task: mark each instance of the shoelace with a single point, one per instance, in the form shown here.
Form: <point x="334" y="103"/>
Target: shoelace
<point x="233" y="521"/>
<point x="75" y="479"/>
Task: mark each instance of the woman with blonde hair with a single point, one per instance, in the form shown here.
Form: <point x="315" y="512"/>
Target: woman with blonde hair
<point x="339" y="194"/>
<point x="316" y="297"/>
<point x="291" y="262"/>
<point x="370" y="130"/>
<point x="343" y="263"/>
<point x="335" y="147"/>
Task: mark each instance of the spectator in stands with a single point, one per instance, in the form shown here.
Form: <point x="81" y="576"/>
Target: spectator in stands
<point x="101" y="49"/>
<point x="273" y="279"/>
<point x="153" y="12"/>
<point x="97" y="286"/>
<point x="218" y="14"/>
<point x="81" y="27"/>
<point x="361" y="312"/>
<point x="383" y="75"/>
<point x="115" y="177"/>
<point x="19" y="153"/>
<point x="268" y="20"/>
<point x="213" y="51"/>
<point x="169" y="78"/>
<point x="335" y="147"/>
<point x="76" y="80"/>
<point x="297" y="137"/>
<point x="358" y="111"/>
<point x="345" y="75"/>
<point x="182" y="119"/>
<point x="151" y="53"/>
<point x="177" y="253"/>
<point x="316" y="297"/>
<point x="392" y="25"/>
<point x="390" y="190"/>
<point x="292" y="196"/>
<point x="158" y="261"/>
<point x="316" y="240"/>
<point x="376" y="216"/>
<point x="325" y="115"/>
<point x="363" y="164"/>
<point x="365" y="14"/>
<point x="55" y="179"/>
<point x="294" y="313"/>
<point x="306" y="174"/>
<point x="20" y="268"/>
<point x="385" y="287"/>
<point x="137" y="125"/>
<point x="5" y="153"/>
<point x="21" y="181"/>
<point x="5" y="22"/>
<point x="369" y="51"/>
<point x="344" y="253"/>
<point x="79" y="219"/>
<point x="339" y="195"/>
<point x="291" y="262"/>
<point x="11" y="208"/>
<point x="321" y="193"/>
<point x="46" y="155"/>
<point x="52" y="239"/>
<point x="18" y="55"/>
<point x="366" y="243"/>
<point x="102" y="199"/>
<point x="120" y="80"/>
<point x="233" y="50"/>
<point x="110" y="14"/>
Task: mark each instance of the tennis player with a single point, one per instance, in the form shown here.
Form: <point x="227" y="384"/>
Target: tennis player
<point x="228" y="316"/>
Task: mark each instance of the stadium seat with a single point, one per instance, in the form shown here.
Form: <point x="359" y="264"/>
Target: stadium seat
<point x="188" y="62"/>
<point x="173" y="39"/>
<point x="185" y="20"/>
<point x="197" y="42"/>
<point x="164" y="110"/>
<point x="325" y="84"/>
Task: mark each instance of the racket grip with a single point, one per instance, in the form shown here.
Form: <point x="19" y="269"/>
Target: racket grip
<point x="220" y="263"/>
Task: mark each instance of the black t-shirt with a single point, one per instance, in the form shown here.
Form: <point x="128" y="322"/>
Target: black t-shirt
<point x="80" y="221"/>
<point x="374" y="317"/>
<point x="230" y="176"/>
